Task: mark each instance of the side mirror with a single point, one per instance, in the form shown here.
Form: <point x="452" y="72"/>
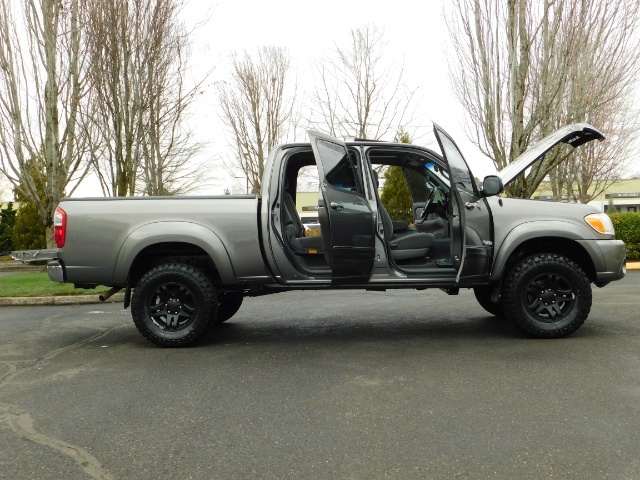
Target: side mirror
<point x="492" y="185"/>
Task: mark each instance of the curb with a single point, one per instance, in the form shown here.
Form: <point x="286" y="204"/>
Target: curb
<point x="60" y="300"/>
<point x="118" y="297"/>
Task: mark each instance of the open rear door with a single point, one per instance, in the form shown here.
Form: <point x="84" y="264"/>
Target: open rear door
<point x="346" y="219"/>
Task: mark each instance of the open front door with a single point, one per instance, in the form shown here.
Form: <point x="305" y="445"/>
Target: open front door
<point x="346" y="219"/>
<point x="469" y="214"/>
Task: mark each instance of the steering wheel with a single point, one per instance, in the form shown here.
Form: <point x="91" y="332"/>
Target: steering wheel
<point x="426" y="210"/>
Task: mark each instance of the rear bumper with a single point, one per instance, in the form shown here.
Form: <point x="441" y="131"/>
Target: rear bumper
<point x="609" y="259"/>
<point x="56" y="271"/>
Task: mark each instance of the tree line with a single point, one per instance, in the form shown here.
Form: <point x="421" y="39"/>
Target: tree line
<point x="101" y="86"/>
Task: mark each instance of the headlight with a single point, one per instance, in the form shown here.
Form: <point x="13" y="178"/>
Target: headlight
<point x="600" y="222"/>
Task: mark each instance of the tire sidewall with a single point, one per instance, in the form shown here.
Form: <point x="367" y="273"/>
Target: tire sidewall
<point x="516" y="293"/>
<point x="196" y="282"/>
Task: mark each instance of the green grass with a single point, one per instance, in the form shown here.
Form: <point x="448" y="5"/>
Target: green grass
<point x="37" y="284"/>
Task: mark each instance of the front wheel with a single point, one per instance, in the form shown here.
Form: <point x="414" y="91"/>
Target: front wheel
<point x="547" y="295"/>
<point x="173" y="304"/>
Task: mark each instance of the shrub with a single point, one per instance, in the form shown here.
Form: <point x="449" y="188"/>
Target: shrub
<point x="28" y="231"/>
<point x="7" y="220"/>
<point x="627" y="227"/>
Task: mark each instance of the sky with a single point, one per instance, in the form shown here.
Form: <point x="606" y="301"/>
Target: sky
<point x="417" y="38"/>
<point x="416" y="35"/>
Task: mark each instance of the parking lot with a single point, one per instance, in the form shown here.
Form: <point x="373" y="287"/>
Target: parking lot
<point x="340" y="384"/>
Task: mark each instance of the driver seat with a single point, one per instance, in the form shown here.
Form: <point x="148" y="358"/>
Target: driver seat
<point x="404" y="245"/>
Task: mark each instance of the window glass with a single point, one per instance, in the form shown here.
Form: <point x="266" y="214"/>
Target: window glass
<point x="331" y="154"/>
<point x="457" y="165"/>
<point x="340" y="166"/>
<point x="418" y="185"/>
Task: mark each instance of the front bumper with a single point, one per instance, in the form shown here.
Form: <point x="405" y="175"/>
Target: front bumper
<point x="609" y="259"/>
<point x="56" y="271"/>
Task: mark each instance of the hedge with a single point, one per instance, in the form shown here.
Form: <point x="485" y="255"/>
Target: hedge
<point x="627" y="227"/>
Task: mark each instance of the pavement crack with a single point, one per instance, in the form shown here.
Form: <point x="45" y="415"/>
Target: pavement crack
<point x="21" y="422"/>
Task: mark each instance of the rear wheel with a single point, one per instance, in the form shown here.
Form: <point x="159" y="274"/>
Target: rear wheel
<point x="483" y="295"/>
<point x="229" y="305"/>
<point x="547" y="295"/>
<point x="173" y="304"/>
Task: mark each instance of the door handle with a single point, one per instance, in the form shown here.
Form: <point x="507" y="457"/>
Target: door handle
<point x="337" y="206"/>
<point x="470" y="205"/>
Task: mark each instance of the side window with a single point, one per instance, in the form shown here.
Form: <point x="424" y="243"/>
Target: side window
<point x="307" y="194"/>
<point x="341" y="166"/>
<point x="418" y="187"/>
<point x="459" y="170"/>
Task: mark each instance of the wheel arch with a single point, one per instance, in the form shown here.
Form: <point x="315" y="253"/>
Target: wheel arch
<point x="163" y="242"/>
<point x="542" y="243"/>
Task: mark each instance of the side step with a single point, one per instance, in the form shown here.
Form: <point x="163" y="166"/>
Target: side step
<point x="444" y="262"/>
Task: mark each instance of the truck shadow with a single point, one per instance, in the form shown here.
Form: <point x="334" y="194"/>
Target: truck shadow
<point x="281" y="331"/>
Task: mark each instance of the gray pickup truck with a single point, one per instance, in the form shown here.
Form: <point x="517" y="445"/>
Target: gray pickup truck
<point x="186" y="263"/>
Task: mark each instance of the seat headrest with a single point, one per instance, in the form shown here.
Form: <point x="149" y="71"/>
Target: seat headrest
<point x="376" y="181"/>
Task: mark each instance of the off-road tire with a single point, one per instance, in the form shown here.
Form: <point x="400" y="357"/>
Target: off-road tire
<point x="229" y="305"/>
<point x="483" y="295"/>
<point x="173" y="304"/>
<point x="547" y="295"/>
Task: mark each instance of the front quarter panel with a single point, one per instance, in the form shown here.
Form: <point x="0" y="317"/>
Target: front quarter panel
<point x="539" y="229"/>
<point x="519" y="220"/>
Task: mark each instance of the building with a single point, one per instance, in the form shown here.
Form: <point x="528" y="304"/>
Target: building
<point x="623" y="194"/>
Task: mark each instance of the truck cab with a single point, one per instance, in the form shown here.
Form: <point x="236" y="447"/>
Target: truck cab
<point x="448" y="244"/>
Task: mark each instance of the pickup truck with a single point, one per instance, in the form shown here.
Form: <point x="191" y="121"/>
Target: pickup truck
<point x="186" y="263"/>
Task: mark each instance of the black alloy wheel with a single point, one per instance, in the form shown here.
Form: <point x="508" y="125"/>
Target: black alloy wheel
<point x="173" y="304"/>
<point x="547" y="295"/>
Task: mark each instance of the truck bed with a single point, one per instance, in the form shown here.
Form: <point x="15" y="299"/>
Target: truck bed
<point x="104" y="235"/>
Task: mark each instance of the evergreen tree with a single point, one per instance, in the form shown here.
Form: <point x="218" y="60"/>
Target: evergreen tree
<point x="28" y="230"/>
<point x="7" y="220"/>
<point x="395" y="195"/>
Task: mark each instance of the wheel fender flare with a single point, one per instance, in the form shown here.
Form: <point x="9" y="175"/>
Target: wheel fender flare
<point x="178" y="232"/>
<point x="529" y="231"/>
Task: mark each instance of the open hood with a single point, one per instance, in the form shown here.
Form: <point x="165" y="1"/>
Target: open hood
<point x="575" y="135"/>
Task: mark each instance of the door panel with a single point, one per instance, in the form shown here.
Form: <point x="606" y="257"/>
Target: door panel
<point x="470" y="215"/>
<point x="346" y="219"/>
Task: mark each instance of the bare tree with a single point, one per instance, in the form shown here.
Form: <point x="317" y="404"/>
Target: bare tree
<point x="258" y="106"/>
<point x="139" y="51"/>
<point x="595" y="166"/>
<point x="360" y="93"/>
<point x="526" y="67"/>
<point x="42" y="87"/>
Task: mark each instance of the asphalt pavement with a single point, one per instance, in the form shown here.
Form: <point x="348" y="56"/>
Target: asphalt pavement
<point x="340" y="384"/>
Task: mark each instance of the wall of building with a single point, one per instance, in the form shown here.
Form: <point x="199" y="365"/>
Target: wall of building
<point x="623" y="194"/>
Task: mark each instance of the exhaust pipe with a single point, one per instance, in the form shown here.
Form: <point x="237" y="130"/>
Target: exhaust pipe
<point x="105" y="296"/>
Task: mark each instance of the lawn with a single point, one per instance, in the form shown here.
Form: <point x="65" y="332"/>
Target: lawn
<point x="37" y="284"/>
